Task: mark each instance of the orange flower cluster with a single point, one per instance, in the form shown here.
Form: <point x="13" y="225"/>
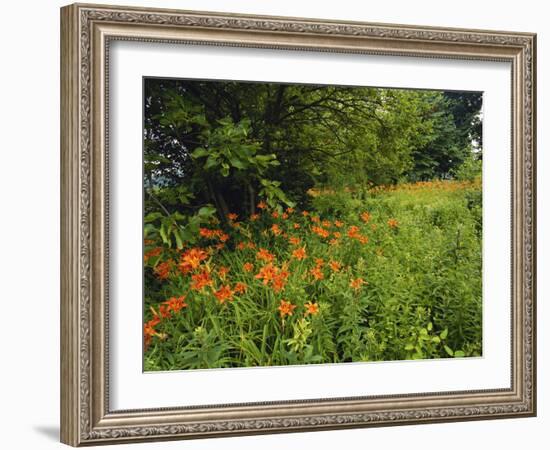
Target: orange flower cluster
<point x="276" y="229"/>
<point x="286" y="308"/>
<point x="353" y="233"/>
<point x="320" y="231"/>
<point x="171" y="306"/>
<point x="277" y="277"/>
<point x="163" y="269"/>
<point x="317" y="273"/>
<point x="357" y="283"/>
<point x="265" y="255"/>
<point x="191" y="260"/>
<point x="201" y="280"/>
<point x="224" y="294"/>
<point x="299" y="253"/>
<point x="293" y="240"/>
<point x="393" y="223"/>
<point x="215" y="234"/>
<point x="311" y="308"/>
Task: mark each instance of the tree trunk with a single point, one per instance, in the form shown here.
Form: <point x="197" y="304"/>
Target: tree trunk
<point x="221" y="205"/>
<point x="251" y="199"/>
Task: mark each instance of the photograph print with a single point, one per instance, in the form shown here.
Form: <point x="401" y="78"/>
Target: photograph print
<point x="293" y="224"/>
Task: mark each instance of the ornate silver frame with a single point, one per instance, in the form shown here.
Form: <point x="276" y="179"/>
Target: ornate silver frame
<point x="86" y="31"/>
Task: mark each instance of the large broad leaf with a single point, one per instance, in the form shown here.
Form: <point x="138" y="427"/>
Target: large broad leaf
<point x="200" y="152"/>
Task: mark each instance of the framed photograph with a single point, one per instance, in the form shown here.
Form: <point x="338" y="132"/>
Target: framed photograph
<point x="275" y="224"/>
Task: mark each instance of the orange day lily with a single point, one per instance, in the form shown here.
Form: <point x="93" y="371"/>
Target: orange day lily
<point x="357" y="283"/>
<point x="285" y="308"/>
<point x="267" y="273"/>
<point x="240" y="287"/>
<point x="265" y="255"/>
<point x="393" y="223"/>
<point x="311" y="308"/>
<point x="299" y="253"/>
<point x="224" y="294"/>
<point x="201" y="280"/>
<point x="163" y="269"/>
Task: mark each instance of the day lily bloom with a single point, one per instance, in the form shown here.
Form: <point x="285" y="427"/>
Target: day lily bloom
<point x="224" y="294"/>
<point x="223" y="271"/>
<point x="335" y="266"/>
<point x="320" y="231"/>
<point x="311" y="308"/>
<point x="357" y="283"/>
<point x="296" y="226"/>
<point x="265" y="255"/>
<point x="365" y="217"/>
<point x="232" y="216"/>
<point x="285" y="308"/>
<point x="163" y="269"/>
<point x="289" y="210"/>
<point x="201" y="280"/>
<point x="254" y="217"/>
<point x="317" y="273"/>
<point x="164" y="311"/>
<point x="299" y="253"/>
<point x="279" y="280"/>
<point x="175" y="304"/>
<point x="192" y="259"/>
<point x="338" y="224"/>
<point x="294" y="240"/>
<point x="353" y="231"/>
<point x="247" y="267"/>
<point x="149" y="330"/>
<point x="326" y="223"/>
<point x="267" y="273"/>
<point x="276" y="230"/>
<point x="240" y="288"/>
<point x="207" y="233"/>
<point x="275" y="214"/>
<point x="241" y="246"/>
<point x="393" y="223"/>
<point x="262" y="205"/>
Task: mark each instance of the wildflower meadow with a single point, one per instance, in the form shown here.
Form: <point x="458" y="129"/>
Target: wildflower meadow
<point x="309" y="225"/>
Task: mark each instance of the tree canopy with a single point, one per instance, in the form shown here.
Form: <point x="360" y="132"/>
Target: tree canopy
<point x="221" y="146"/>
